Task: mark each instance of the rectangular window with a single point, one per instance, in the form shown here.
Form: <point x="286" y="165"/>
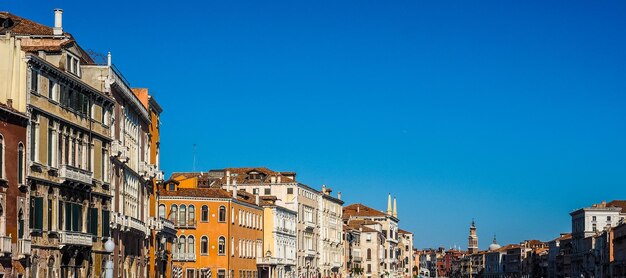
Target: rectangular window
<point x="290" y="190"/>
<point x="221" y="273"/>
<point x="33" y="140"/>
<point x="34" y="81"/>
<point x="191" y="273"/>
<point x="268" y="191"/>
<point x="52" y="90"/>
<point x="36" y="214"/>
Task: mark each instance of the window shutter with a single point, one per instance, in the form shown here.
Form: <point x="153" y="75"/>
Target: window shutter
<point x="93" y="221"/>
<point x="105" y="223"/>
<point x="38" y="213"/>
<point x="68" y="216"/>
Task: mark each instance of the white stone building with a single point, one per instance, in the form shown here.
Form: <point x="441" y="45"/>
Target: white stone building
<point x="278" y="259"/>
<point x="330" y="245"/>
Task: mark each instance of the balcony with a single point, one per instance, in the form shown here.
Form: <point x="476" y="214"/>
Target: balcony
<point x="23" y="247"/>
<point x="71" y="173"/>
<point x="76" y="238"/>
<point x="309" y="224"/>
<point x="189" y="224"/>
<point x="5" y="244"/>
<point x="184" y="257"/>
<point x="268" y="261"/>
<point x="119" y="151"/>
<point x="136" y="224"/>
<point x="164" y="225"/>
<point x="160" y="175"/>
<point x="310" y="253"/>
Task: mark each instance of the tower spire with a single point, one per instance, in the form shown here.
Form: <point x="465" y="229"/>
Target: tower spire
<point x="395" y="208"/>
<point x="389" y="204"/>
<point x="472" y="245"/>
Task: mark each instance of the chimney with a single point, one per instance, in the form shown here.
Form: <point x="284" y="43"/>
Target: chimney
<point x="395" y="208"/>
<point x="273" y="179"/>
<point x="235" y="191"/>
<point x="389" y="204"/>
<point x="339" y="195"/>
<point x="324" y="188"/>
<point x="358" y="208"/>
<point x="109" y="59"/>
<point x="256" y="198"/>
<point x="58" y="22"/>
<point x="278" y="180"/>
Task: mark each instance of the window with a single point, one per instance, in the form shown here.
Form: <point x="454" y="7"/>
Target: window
<point x="175" y="247"/>
<point x="105" y="223"/>
<point x="205" y="214"/>
<point x="204" y="245"/>
<point x="73" y="64"/>
<point x="369" y="268"/>
<point x="221" y="273"/>
<point x="221" y="246"/>
<point x="222" y="214"/>
<point x="171" y="187"/>
<point x="268" y="191"/>
<point x="52" y="90"/>
<point x="232" y="246"/>
<point x="161" y="211"/>
<point x="182" y="244"/>
<point x="173" y="213"/>
<point x="608" y="218"/>
<point x="34" y="81"/>
<point x="51" y="140"/>
<point x="593" y="218"/>
<point x="191" y="273"/>
<point x="20" y="163"/>
<point x="36" y="214"/>
<point x="290" y="190"/>
<point x="369" y="254"/>
<point x="192" y="214"/>
<point x="191" y="249"/>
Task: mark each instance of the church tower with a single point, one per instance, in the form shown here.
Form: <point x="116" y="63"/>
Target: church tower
<point x="472" y="245"/>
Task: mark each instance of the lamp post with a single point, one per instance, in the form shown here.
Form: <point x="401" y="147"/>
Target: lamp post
<point x="109" y="246"/>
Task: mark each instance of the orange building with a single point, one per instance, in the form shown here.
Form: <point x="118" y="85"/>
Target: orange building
<point x="220" y="232"/>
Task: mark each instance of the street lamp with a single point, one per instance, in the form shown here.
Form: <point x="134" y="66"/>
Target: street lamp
<point x="109" y="246"/>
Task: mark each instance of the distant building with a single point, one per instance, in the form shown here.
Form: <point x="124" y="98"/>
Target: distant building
<point x="587" y="222"/>
<point x="472" y="245"/>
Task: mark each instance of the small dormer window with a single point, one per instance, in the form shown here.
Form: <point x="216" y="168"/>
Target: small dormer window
<point x="254" y="175"/>
<point x="73" y="64"/>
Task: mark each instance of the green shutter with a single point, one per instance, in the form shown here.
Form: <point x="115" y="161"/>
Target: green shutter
<point x="93" y="221"/>
<point x="105" y="223"/>
<point x="68" y="216"/>
<point x="75" y="217"/>
<point x="31" y="218"/>
<point x="38" y="225"/>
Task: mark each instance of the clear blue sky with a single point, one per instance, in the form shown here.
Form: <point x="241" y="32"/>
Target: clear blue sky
<point x="509" y="112"/>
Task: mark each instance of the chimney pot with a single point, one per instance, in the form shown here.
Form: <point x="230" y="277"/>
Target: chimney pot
<point x="339" y="195"/>
<point x="58" y="22"/>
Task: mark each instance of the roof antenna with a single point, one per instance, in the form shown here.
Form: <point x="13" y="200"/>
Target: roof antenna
<point x="194" y="157"/>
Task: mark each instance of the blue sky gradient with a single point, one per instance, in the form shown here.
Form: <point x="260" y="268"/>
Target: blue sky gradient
<point x="509" y="112"/>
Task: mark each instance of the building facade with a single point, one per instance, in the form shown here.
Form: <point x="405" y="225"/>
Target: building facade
<point x="14" y="247"/>
<point x="278" y="258"/>
<point x="330" y="245"/>
<point x="220" y="233"/>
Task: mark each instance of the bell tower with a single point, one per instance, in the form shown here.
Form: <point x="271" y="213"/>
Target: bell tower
<point x="472" y="245"/>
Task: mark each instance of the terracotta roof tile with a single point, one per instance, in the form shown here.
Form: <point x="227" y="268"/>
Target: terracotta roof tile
<point x="618" y="203"/>
<point x="360" y="210"/>
<point x="212" y="193"/>
<point x="23" y="26"/>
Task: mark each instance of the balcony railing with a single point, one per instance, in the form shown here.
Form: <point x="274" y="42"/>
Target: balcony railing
<point x="310" y="253"/>
<point x="5" y="244"/>
<point x="76" y="238"/>
<point x="189" y="224"/>
<point x="69" y="172"/>
<point x="23" y="247"/>
<point x="184" y="257"/>
<point x="119" y="151"/>
<point x="137" y="224"/>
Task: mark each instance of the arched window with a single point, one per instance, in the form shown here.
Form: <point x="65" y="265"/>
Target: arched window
<point x="161" y="211"/>
<point x="221" y="246"/>
<point x="20" y="163"/>
<point x="232" y="246"/>
<point x="191" y="248"/>
<point x="182" y="244"/>
<point x="204" y="245"/>
<point x="205" y="213"/>
<point x="173" y="213"/>
<point x="222" y="214"/>
<point x="182" y="215"/>
<point x="175" y="247"/>
<point x="2" y="176"/>
<point x="192" y="214"/>
<point x="369" y="254"/>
